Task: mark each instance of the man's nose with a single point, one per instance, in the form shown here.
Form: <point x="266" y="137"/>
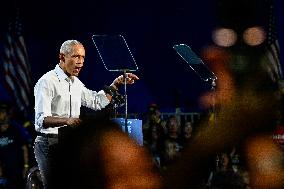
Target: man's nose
<point x="80" y="61"/>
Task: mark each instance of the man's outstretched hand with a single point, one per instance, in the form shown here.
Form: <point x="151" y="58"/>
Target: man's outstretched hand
<point x="130" y="79"/>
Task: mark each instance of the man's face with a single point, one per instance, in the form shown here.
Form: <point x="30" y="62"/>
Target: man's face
<point x="73" y="62"/>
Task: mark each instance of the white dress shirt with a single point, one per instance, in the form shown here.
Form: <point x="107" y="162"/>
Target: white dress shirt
<point x="57" y="95"/>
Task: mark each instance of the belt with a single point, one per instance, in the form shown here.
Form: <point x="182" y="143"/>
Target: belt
<point x="48" y="135"/>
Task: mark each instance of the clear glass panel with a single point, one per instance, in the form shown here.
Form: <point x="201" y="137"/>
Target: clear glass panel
<point x="195" y="63"/>
<point x="114" y="53"/>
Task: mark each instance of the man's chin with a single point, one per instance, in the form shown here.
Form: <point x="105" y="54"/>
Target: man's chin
<point x="76" y="74"/>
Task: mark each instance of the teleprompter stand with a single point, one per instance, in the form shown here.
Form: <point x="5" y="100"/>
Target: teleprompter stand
<point x="198" y="66"/>
<point x="116" y="57"/>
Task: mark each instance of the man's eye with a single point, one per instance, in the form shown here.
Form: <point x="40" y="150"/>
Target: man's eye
<point x="78" y="56"/>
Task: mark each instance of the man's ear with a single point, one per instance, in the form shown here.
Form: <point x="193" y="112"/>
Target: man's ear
<point x="61" y="57"/>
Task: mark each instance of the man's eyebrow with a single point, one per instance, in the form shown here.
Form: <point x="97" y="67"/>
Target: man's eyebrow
<point x="76" y="55"/>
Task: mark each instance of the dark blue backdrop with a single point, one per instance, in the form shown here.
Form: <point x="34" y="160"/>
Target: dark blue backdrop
<point x="150" y="27"/>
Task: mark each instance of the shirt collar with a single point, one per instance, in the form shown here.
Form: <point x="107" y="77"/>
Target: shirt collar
<point x="60" y="74"/>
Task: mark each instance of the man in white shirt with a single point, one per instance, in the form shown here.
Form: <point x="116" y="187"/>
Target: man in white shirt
<point x="59" y="94"/>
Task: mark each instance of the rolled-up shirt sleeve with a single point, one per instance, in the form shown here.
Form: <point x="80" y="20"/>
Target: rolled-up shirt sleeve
<point x="94" y="100"/>
<point x="43" y="97"/>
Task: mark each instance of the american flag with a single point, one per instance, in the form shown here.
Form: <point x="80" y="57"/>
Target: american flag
<point x="273" y="49"/>
<point x="16" y="68"/>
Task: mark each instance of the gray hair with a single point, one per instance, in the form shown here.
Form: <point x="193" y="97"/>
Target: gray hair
<point x="66" y="47"/>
